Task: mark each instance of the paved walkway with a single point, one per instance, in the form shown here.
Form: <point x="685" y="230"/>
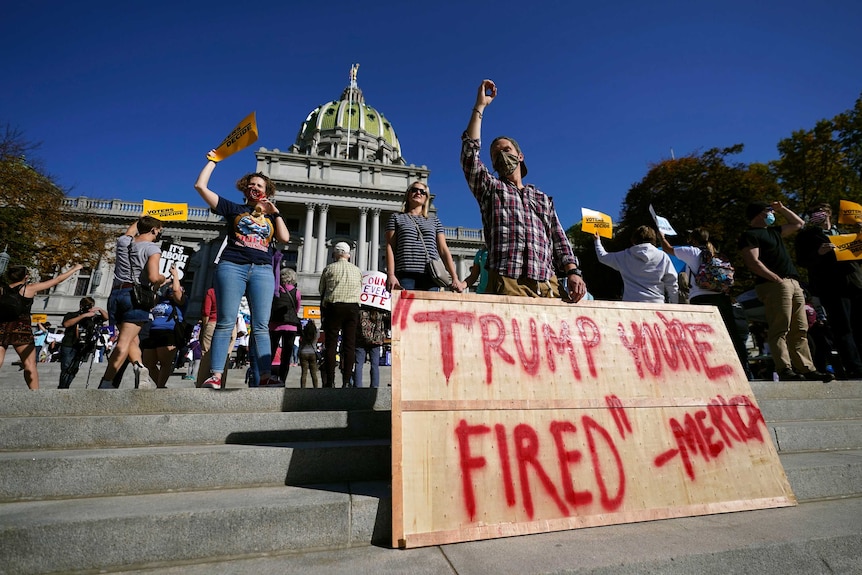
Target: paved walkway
<point x="49" y="376"/>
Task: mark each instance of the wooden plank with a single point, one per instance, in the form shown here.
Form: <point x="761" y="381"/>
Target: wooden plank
<point x="514" y="416"/>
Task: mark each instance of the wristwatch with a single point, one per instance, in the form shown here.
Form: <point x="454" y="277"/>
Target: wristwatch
<point x="574" y="272"/>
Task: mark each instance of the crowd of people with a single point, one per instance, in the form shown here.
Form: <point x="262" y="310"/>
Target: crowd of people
<point x="526" y="254"/>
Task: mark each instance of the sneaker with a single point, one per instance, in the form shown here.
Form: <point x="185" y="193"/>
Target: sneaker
<point x="142" y="377"/>
<point x="814" y="375"/>
<point x="212" y="383"/>
<point x="790" y="375"/>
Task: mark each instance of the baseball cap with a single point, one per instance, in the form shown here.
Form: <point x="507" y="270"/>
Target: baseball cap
<point x="342" y="248"/>
<point x="517" y="147"/>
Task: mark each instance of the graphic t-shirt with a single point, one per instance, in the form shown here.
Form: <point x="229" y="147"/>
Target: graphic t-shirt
<point x="249" y="236"/>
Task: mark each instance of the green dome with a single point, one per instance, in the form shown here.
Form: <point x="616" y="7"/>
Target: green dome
<point x="326" y="130"/>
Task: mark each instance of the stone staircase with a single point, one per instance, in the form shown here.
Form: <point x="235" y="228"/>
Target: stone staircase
<point x="297" y="480"/>
<point x="91" y="479"/>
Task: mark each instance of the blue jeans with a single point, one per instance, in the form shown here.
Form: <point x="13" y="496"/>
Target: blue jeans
<point x="257" y="283"/>
<point x="417" y="282"/>
<point x="70" y="361"/>
<point x="374" y="353"/>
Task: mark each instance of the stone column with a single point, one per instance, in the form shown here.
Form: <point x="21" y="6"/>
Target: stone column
<point x="362" y="248"/>
<point x="322" y="255"/>
<point x="308" y="240"/>
<point x="375" y="240"/>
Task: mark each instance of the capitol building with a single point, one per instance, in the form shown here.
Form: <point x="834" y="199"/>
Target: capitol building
<point x="339" y="181"/>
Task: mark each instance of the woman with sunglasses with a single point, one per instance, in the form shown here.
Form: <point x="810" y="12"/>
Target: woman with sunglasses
<point x="245" y="265"/>
<point x="412" y="238"/>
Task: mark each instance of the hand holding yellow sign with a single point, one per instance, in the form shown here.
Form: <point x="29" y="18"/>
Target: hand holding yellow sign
<point x="849" y="213"/>
<point x="848" y="247"/>
<point x="244" y="135"/>
<point x="596" y="222"/>
<point x="166" y="212"/>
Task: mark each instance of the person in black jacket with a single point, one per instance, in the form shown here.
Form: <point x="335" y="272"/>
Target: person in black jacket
<point x="838" y="285"/>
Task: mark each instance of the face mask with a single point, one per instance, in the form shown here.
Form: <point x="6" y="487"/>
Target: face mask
<point x="769" y="219"/>
<point x="505" y="163"/>
<point x="255" y="195"/>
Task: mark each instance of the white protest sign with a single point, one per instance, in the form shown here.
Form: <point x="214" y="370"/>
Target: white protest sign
<point x="663" y="225"/>
<point x="374" y="292"/>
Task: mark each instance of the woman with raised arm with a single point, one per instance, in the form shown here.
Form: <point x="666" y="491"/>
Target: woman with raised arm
<point x="698" y="250"/>
<point x="244" y="266"/>
<point x="17" y="332"/>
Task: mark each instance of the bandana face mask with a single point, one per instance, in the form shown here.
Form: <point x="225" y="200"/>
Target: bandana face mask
<point x="255" y="195"/>
<point x="506" y="163"/>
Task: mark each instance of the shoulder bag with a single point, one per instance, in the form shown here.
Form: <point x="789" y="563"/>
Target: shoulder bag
<point x="434" y="268"/>
<point x="143" y="297"/>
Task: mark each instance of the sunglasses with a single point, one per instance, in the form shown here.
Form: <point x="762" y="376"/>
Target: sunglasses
<point x="419" y="191"/>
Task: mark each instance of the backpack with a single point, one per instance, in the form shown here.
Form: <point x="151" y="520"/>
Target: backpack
<point x="714" y="273"/>
<point x="284" y="309"/>
<point x="370" y="328"/>
<point x="12" y="303"/>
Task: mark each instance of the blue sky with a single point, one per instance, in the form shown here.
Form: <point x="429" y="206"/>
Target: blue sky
<point x="126" y="98"/>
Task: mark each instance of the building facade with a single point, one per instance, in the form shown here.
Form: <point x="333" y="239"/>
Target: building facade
<point x="341" y="180"/>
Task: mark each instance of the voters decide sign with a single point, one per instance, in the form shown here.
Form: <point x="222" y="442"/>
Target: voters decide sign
<point x="513" y="416"/>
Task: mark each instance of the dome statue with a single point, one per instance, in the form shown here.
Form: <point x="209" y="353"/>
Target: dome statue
<point x="348" y="128"/>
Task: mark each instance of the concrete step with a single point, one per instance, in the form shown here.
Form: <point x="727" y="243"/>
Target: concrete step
<point x="79" y="402"/>
<point x="67" y="474"/>
<point x="795" y="436"/>
<point x="71" y="432"/>
<point x="106" y="532"/>
<point x="824" y="474"/>
<point x="766" y="390"/>
<point x="811" y="409"/>
<point x="284" y="531"/>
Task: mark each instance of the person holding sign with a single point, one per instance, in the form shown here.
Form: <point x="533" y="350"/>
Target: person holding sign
<point x="777" y="286"/>
<point x="648" y="274"/>
<point x="838" y="284"/>
<point x="527" y="245"/>
<point x="698" y="250"/>
<point x="245" y="265"/>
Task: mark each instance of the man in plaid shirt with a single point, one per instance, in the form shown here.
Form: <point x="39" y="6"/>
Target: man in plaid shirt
<point x="527" y="243"/>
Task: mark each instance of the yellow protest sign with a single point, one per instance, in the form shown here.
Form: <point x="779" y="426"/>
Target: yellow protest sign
<point x="244" y="135"/>
<point x="38" y="318"/>
<point x="166" y="212"/>
<point x="594" y="221"/>
<point x="847" y="246"/>
<point x="849" y="213"/>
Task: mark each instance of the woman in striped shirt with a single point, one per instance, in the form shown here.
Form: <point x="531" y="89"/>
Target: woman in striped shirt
<point x="412" y="239"/>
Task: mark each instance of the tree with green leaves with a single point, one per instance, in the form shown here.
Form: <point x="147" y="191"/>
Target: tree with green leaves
<point x="707" y="190"/>
<point x="823" y="164"/>
<point x="33" y="225"/>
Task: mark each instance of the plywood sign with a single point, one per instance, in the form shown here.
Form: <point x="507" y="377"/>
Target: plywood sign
<point x="513" y="416"/>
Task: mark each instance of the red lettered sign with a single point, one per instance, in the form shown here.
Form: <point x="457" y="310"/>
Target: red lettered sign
<point x="514" y="415"/>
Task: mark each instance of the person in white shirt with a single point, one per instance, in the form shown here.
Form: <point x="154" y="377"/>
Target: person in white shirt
<point x="648" y="274"/>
